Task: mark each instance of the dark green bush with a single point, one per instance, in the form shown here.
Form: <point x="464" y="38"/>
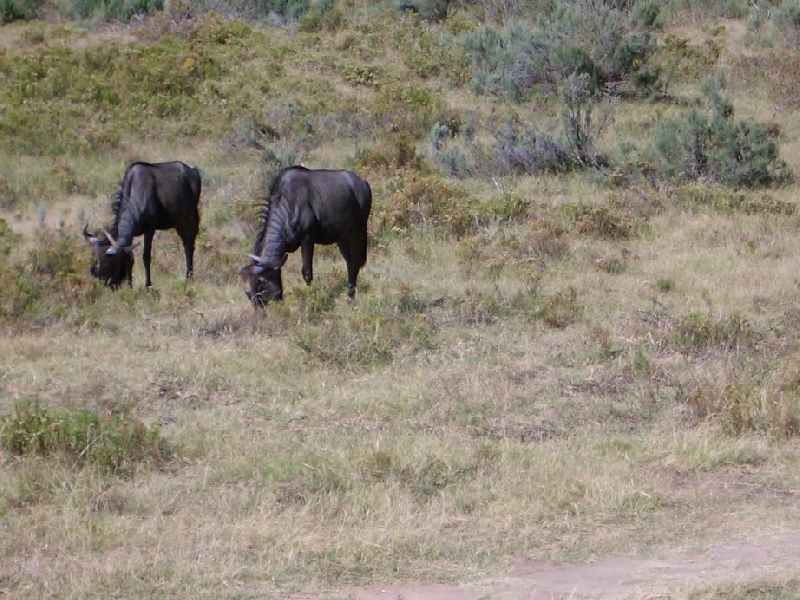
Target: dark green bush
<point x="508" y="62"/>
<point x="321" y="16"/>
<point x="14" y="10"/>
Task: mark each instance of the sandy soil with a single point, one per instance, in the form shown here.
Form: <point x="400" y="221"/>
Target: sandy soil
<point x="775" y="556"/>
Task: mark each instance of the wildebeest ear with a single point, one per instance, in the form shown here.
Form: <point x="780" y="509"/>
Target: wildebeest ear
<point x="90" y="239"/>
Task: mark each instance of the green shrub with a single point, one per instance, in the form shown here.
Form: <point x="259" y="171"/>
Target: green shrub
<point x="604" y="41"/>
<point x="321" y="16"/>
<point x="403" y="107"/>
<point x="115" y="443"/>
<point x="708" y="143"/>
<point x="582" y="127"/>
<point x="509" y="62"/>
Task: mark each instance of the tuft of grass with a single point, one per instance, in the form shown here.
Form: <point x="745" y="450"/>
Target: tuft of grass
<point x="696" y="332"/>
<point x="367" y="338"/>
<point x="558" y="310"/>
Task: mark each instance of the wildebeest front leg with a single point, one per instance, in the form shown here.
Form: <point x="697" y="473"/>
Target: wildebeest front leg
<point x="148" y="246"/>
<point x="307" y="250"/>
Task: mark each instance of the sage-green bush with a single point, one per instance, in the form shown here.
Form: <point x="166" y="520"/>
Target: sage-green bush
<point x="708" y="143"/>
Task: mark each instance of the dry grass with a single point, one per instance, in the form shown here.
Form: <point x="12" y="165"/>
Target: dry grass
<point x="548" y="389"/>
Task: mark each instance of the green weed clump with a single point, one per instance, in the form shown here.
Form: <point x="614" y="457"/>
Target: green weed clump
<point x="116" y="444"/>
<point x="731" y="202"/>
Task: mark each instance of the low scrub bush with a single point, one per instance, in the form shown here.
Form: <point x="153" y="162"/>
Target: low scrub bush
<point x="680" y="60"/>
<point x="406" y="107"/>
<point x="396" y="151"/>
<point x="413" y="200"/>
<point x="17" y="10"/>
<point x="708" y="143"/>
<point x="116" y="444"/>
<point x="113" y="10"/>
<point x="521" y="149"/>
<point x="732" y="202"/>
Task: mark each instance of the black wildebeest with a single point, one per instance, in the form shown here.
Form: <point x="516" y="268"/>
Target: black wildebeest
<point x="307" y="207"/>
<point x="150" y="197"/>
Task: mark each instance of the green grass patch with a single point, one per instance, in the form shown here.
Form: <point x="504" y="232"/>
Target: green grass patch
<point x="116" y="444"/>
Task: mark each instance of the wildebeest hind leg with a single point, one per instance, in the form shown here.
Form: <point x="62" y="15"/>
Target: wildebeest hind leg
<point x="148" y="246"/>
<point x="353" y="260"/>
<point x="188" y="250"/>
<point x="307" y="252"/>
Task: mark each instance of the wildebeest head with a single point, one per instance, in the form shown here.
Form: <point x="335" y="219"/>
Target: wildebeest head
<point x="113" y="264"/>
<point x="261" y="282"/>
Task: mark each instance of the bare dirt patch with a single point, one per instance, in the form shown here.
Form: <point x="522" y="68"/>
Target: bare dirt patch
<point x="740" y="561"/>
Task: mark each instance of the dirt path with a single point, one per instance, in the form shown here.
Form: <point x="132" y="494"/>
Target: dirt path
<point x="776" y="557"/>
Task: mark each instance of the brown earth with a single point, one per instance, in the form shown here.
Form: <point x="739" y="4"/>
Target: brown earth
<point x="743" y="561"/>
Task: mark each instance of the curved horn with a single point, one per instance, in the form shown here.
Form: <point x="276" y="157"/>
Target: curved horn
<point x="110" y="239"/>
<point x="257" y="259"/>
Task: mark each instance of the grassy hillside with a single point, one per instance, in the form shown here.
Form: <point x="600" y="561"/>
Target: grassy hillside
<point x="576" y="334"/>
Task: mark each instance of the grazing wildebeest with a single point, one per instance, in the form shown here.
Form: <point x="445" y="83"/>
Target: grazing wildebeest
<point x="307" y="207"/>
<point x="150" y="197"/>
